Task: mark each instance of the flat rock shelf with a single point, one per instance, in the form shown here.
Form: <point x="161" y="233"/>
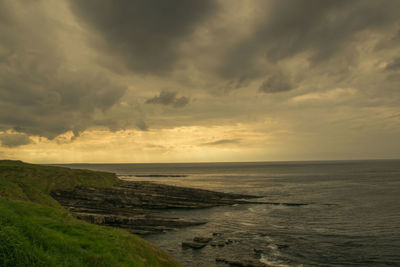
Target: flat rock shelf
<point x="134" y="205"/>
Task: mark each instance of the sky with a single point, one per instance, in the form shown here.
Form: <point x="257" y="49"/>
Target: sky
<point x="124" y="81"/>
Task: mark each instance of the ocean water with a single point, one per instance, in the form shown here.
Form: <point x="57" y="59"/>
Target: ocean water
<point x="352" y="217"/>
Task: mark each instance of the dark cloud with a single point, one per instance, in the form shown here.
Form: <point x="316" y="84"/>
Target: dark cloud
<point x="14" y="140"/>
<point x="222" y="142"/>
<point x="39" y="95"/>
<point x="144" y="36"/>
<point x="168" y="98"/>
<point x="51" y="83"/>
<point x="321" y="28"/>
<point x="53" y="102"/>
<point x="276" y="83"/>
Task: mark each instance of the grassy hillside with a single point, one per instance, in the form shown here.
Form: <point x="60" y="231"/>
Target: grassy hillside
<point x="36" y="231"/>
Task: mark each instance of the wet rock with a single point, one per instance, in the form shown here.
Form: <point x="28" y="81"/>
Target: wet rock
<point x="132" y="205"/>
<point x="258" y="250"/>
<point x="202" y="239"/>
<point x="242" y="263"/>
<point x="138" y="224"/>
<point x="220" y="243"/>
<point x="282" y="246"/>
<point x="193" y="245"/>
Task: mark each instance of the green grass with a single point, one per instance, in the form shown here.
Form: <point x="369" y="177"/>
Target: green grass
<point x="22" y="181"/>
<point x="36" y="231"/>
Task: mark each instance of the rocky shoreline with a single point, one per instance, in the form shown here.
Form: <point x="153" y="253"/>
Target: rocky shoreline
<point x="134" y="205"/>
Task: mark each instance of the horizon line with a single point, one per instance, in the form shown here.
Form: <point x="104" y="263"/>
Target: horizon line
<point x="208" y="162"/>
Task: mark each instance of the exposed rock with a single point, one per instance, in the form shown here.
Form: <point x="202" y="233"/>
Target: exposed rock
<point x="282" y="246"/>
<point x="138" y="224"/>
<point x="194" y="245"/>
<point x="202" y="239"/>
<point x="133" y="205"/>
<point x="242" y="263"/>
<point x="258" y="250"/>
<point x="220" y="243"/>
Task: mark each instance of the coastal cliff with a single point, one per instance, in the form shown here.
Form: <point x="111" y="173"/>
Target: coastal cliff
<point x="35" y="230"/>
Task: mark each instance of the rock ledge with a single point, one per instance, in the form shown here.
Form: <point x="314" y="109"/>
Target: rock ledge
<point x="134" y="205"/>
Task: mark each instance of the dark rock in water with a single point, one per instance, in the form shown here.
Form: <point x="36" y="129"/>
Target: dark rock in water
<point x="258" y="250"/>
<point x="194" y="245"/>
<point x="133" y="205"/>
<point x="202" y="239"/>
<point x="220" y="243"/>
<point x="228" y="241"/>
<point x="242" y="263"/>
<point x="281" y="246"/>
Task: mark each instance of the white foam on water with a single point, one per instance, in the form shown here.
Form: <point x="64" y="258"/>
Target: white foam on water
<point x="269" y="239"/>
<point x="273" y="247"/>
<point x="247" y="224"/>
<point x="269" y="262"/>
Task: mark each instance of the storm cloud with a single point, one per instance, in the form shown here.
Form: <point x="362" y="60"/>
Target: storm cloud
<point x="168" y="98"/>
<point x="276" y="83"/>
<point x="294" y="77"/>
<point x="322" y="29"/>
<point x="39" y="94"/>
<point x="144" y="36"/>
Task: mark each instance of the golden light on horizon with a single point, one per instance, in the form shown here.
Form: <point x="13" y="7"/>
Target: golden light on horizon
<point x="219" y="81"/>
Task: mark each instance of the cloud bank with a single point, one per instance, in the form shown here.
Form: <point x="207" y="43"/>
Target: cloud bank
<point x="310" y="73"/>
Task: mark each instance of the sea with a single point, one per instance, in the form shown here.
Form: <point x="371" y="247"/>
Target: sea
<point x="351" y="216"/>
